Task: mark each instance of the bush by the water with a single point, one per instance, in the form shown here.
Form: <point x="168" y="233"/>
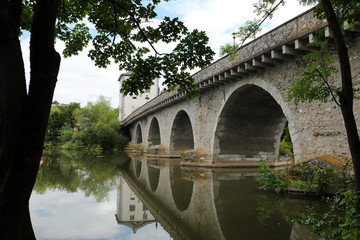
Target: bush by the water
<point x="61" y="115"/>
<point x="96" y="128"/>
<point x="309" y="176"/>
<point x="271" y="180"/>
<point x="340" y="222"/>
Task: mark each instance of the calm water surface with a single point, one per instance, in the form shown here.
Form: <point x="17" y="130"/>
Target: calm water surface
<point x="116" y="197"/>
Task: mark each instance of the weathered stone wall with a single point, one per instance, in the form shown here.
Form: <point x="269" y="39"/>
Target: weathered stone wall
<point x="316" y="128"/>
<point x="298" y="27"/>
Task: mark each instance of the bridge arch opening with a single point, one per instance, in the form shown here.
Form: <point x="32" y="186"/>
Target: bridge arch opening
<point x="138" y="135"/>
<point x="250" y="126"/>
<point x="181" y="133"/>
<point x="154" y="133"/>
<point x="181" y="188"/>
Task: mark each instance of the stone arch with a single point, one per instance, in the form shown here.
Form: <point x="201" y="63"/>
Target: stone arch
<point x="154" y="133"/>
<point x="251" y="122"/>
<point x="138" y="135"/>
<point x="182" y="138"/>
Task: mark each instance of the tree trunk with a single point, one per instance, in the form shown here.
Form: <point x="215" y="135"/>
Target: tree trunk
<point x="346" y="95"/>
<point x="24" y="116"/>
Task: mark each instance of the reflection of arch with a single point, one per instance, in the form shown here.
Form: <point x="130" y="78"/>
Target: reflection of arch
<point x="138" y="135"/>
<point x="250" y="125"/>
<point x="138" y="165"/>
<point x="154" y="174"/>
<point x="181" y="133"/>
<point x="181" y="189"/>
<point x="154" y="133"/>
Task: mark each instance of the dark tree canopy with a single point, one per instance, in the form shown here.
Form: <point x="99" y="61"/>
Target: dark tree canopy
<point x="125" y="34"/>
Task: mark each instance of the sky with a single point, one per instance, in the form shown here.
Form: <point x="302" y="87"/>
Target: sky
<point x="81" y="81"/>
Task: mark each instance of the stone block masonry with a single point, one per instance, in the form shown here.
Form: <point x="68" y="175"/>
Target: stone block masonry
<point x="243" y="107"/>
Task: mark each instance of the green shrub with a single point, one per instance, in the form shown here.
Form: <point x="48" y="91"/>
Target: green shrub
<point x="341" y="221"/>
<point x="271" y="180"/>
<point x="286" y="146"/>
<point x="97" y="128"/>
<point x="315" y="178"/>
<point x="302" y="185"/>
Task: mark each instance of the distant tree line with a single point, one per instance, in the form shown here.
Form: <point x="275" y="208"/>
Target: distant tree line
<point x="93" y="127"/>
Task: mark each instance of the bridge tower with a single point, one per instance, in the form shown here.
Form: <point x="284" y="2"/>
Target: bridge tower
<point x="129" y="103"/>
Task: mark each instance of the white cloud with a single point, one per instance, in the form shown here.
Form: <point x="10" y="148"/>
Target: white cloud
<point x="220" y="18"/>
<point x="79" y="80"/>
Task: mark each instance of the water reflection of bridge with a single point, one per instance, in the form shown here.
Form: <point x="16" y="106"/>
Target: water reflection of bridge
<point x="209" y="204"/>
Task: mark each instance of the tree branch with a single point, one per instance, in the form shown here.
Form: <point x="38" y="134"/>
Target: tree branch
<point x="341" y="50"/>
<point x="262" y="21"/>
<point x="328" y="86"/>
<point x="45" y="62"/>
<point x="347" y="94"/>
<point x="138" y="26"/>
<point x="17" y="10"/>
<point x="115" y="22"/>
<point x="12" y="88"/>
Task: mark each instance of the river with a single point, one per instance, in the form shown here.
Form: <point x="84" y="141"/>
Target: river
<point x="117" y="197"/>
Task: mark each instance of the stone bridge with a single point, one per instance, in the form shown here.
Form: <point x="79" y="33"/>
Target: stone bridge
<point x="207" y="204"/>
<point x="243" y="107"/>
